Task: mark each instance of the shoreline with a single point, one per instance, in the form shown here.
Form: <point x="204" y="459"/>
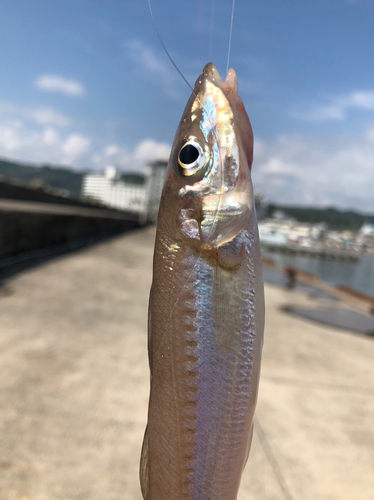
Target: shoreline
<point x="357" y="276"/>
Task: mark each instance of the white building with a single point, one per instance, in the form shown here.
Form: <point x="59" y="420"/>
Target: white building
<point x="261" y="206"/>
<point x="111" y="190"/>
<point x="155" y="176"/>
<point x="367" y="230"/>
<point x="281" y="230"/>
<point x="269" y="236"/>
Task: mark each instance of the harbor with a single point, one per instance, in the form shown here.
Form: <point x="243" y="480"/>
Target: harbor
<point x="283" y="234"/>
<point x="75" y="385"/>
<point x="355" y="275"/>
<point x="309" y="251"/>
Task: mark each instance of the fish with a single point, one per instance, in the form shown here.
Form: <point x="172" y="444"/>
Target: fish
<point x="206" y="307"/>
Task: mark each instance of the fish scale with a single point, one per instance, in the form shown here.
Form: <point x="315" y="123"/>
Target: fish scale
<point x="206" y="311"/>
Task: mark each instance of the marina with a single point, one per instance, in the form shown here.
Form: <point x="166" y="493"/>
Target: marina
<point x="356" y="275"/>
<point x="314" y="252"/>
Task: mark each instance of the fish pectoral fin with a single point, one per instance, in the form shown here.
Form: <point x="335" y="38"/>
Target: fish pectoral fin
<point x="229" y="228"/>
<point x="143" y="473"/>
<point x="229" y="259"/>
<point x="149" y="338"/>
<point x="249" y="446"/>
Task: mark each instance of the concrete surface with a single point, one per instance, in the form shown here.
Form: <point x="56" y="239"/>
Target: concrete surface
<point x="74" y="388"/>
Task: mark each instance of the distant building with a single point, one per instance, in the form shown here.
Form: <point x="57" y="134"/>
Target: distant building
<point x="281" y="230"/>
<point x="365" y="237"/>
<point x="269" y="236"/>
<point x="155" y="176"/>
<point x="111" y="190"/>
<point x="318" y="231"/>
<point x="128" y="192"/>
<point x="367" y="230"/>
<point x="261" y="206"/>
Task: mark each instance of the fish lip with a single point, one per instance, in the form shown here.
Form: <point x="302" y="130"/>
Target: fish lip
<point x="229" y="85"/>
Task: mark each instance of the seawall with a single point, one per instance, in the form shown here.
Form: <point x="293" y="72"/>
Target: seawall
<point x="26" y="225"/>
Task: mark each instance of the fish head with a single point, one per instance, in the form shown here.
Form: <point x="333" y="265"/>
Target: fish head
<point x="209" y="172"/>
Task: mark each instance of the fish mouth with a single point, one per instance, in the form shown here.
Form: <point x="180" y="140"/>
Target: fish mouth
<point x="229" y="87"/>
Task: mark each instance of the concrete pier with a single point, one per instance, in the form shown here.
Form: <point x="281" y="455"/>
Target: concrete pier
<point x="27" y="226"/>
<point x="74" y="387"/>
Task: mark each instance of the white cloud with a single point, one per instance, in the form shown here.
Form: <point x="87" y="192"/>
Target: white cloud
<point x="35" y="134"/>
<point x="112" y="154"/>
<point x="370" y="135"/>
<point x="12" y="137"/>
<point x="317" y="171"/>
<point x="112" y="150"/>
<point x="147" y="57"/>
<point x="156" y="68"/>
<point x="43" y="135"/>
<point x="56" y="83"/>
<point x="328" y="112"/>
<point x="49" y="116"/>
<point x="41" y="115"/>
<point x="149" y="150"/>
<point x="74" y="147"/>
<point x="51" y="137"/>
<point x="363" y="100"/>
<point x="338" y="107"/>
<point x="144" y="152"/>
<point x="40" y="144"/>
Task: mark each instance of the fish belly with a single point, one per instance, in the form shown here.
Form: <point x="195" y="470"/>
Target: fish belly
<point x="205" y="340"/>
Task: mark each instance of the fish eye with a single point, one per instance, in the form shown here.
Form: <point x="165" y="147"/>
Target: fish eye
<point x="192" y="157"/>
<point x="188" y="154"/>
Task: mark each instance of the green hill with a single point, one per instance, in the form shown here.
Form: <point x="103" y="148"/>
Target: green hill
<point x="60" y="178"/>
<point x="70" y="182"/>
<point x="57" y="178"/>
<point x="334" y="218"/>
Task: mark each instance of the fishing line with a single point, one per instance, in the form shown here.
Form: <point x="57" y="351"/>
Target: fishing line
<point x="230" y="37"/>
<point x="214" y="131"/>
<point x="272" y="460"/>
<point x="165" y="49"/>
<point x="211" y="28"/>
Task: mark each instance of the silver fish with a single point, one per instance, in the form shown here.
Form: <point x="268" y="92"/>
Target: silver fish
<point x="206" y="311"/>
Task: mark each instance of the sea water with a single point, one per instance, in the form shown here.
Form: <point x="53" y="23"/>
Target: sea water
<point x="357" y="275"/>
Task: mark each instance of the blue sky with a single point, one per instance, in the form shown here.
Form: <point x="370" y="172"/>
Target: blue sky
<point x="85" y="83"/>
